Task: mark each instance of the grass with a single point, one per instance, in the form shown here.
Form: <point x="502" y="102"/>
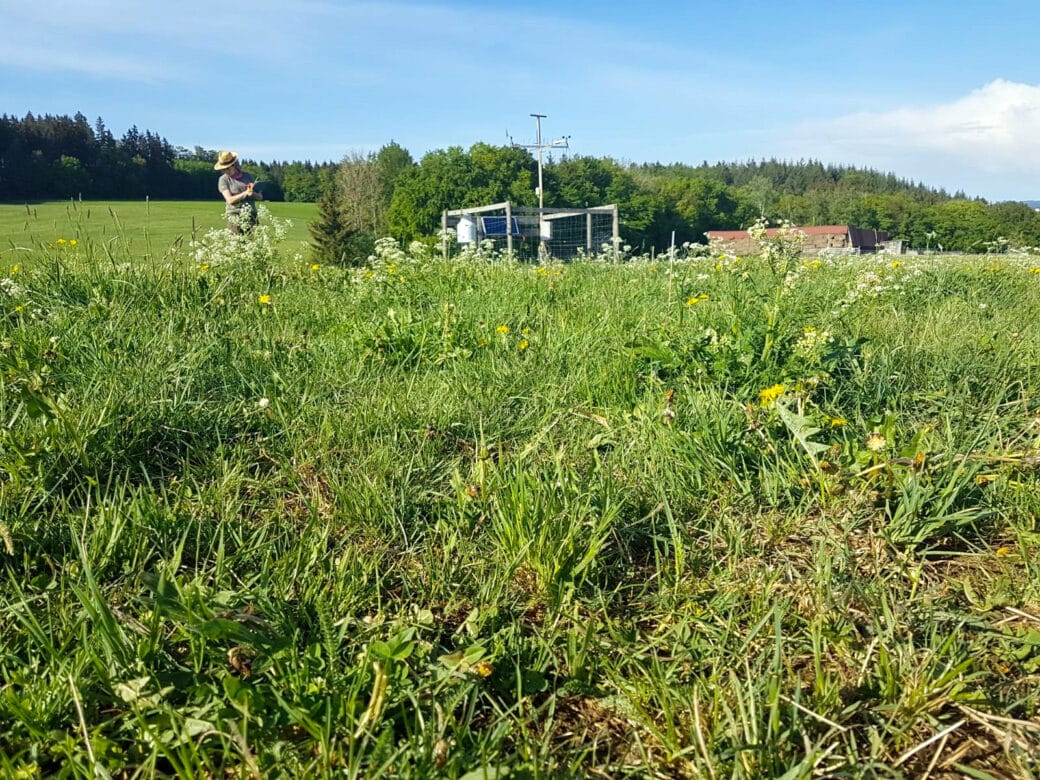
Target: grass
<point x="139" y="227"/>
<point x="480" y="519"/>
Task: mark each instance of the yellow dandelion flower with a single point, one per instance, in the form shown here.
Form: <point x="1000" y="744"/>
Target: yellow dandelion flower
<point x="19" y="308"/>
<point x="315" y="266"/>
<point x="61" y="242"/>
<point x="503" y="329"/>
<point x="1003" y="551"/>
<point x="771" y="395"/>
<point x="1034" y="270"/>
<point x="526" y="331"/>
<point x="876" y="442"/>
<point x="895" y="264"/>
<point x="837" y="422"/>
<point x="14" y="270"/>
<point x="522" y="345"/>
<point x="483" y="668"/>
<point x="204" y="267"/>
<point x="72" y="242"/>
<point x="697" y="299"/>
<point x="264" y="300"/>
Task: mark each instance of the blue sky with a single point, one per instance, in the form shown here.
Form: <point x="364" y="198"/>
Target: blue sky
<point x="942" y="93"/>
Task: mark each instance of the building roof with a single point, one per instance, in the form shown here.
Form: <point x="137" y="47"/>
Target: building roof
<point x="809" y="230"/>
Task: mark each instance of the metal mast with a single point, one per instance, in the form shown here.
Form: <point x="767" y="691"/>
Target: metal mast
<point x="559" y="143"/>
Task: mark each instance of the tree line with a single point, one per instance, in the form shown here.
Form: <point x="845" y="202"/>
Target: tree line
<point x="57" y="157"/>
<point x="388" y="192"/>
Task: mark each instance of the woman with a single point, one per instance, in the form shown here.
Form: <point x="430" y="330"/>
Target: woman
<point x="237" y="188"/>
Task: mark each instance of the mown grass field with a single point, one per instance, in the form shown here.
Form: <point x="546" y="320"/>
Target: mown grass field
<point x="128" y="227"/>
<point x="772" y="516"/>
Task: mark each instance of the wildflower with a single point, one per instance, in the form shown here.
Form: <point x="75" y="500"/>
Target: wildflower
<point x="522" y="345"/>
<point x="14" y="270"/>
<point x="204" y="267"/>
<point x="697" y="299"/>
<point x="876" y="442"/>
<point x="481" y="342"/>
<point x="503" y="329"/>
<point x="1003" y="551"/>
<point x="264" y="300"/>
<point x="771" y="395"/>
<point x="72" y="242"/>
<point x="837" y="422"/>
<point x="1034" y="270"/>
<point x="61" y="242"/>
<point x="526" y="331"/>
<point x="315" y="266"/>
<point x="263" y="403"/>
<point x="895" y="264"/>
<point x="483" y="668"/>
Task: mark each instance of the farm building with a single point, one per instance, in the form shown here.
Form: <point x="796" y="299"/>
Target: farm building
<point x="817" y="238"/>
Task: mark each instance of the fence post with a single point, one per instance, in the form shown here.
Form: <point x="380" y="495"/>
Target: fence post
<point x="444" y="234"/>
<point x="509" y="228"/>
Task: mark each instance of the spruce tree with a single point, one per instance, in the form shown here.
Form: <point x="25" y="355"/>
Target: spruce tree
<point x="330" y="236"/>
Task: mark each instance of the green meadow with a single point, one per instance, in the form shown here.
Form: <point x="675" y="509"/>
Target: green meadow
<point x="705" y="517"/>
<point x="136" y="227"/>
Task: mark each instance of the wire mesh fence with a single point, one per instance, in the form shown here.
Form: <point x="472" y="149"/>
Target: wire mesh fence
<point x="534" y="233"/>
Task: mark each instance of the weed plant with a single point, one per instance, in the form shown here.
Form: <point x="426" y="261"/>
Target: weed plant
<point x="704" y="516"/>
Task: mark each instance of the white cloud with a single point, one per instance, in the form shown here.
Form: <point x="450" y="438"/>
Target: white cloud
<point x="990" y="135"/>
<point x="125" y="68"/>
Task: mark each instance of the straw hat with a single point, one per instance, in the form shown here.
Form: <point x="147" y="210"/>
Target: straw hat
<point x="225" y="160"/>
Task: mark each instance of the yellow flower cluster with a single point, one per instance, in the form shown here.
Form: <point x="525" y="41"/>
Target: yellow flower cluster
<point x="771" y="395"/>
<point x="694" y="300"/>
<point x="876" y="442"/>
